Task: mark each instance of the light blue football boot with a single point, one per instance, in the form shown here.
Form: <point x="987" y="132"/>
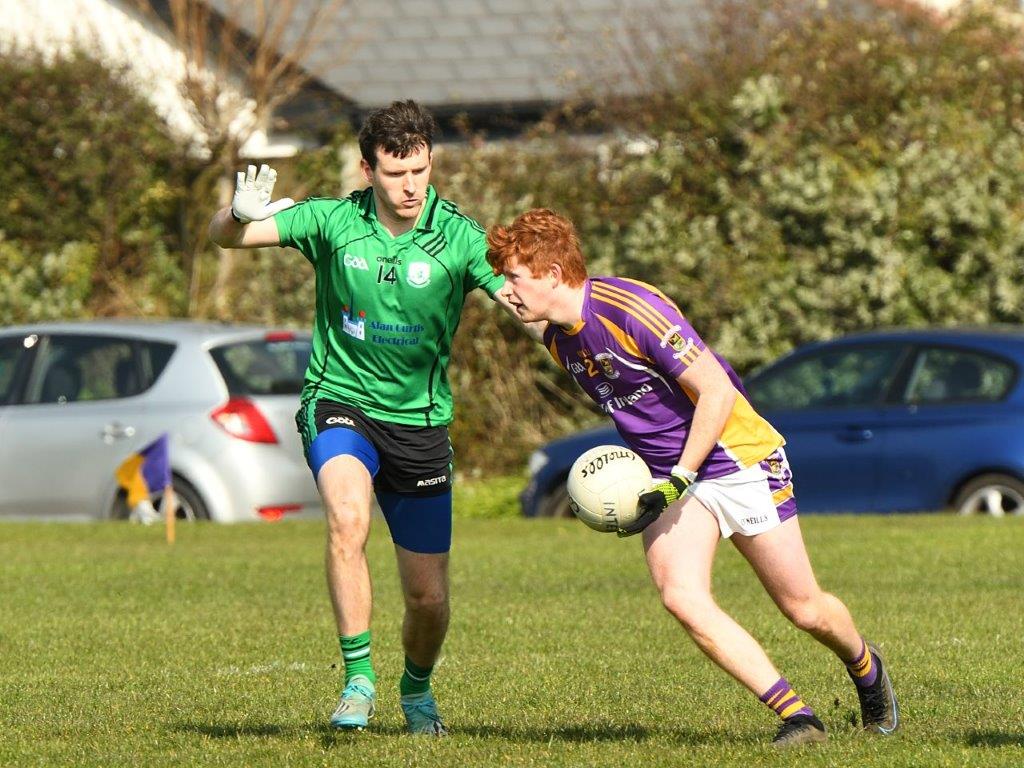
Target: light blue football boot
<point x="421" y="716"/>
<point x="356" y="705"/>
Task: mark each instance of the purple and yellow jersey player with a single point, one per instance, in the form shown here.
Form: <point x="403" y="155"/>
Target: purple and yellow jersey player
<point x="626" y="352"/>
<point x="720" y="468"/>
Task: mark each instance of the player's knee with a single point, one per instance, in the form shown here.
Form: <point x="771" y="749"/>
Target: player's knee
<point x="427" y="601"/>
<point x="807" y="614"/>
<point x="347" y="524"/>
<point x="690" y="607"/>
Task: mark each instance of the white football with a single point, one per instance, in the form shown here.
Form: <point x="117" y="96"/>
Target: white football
<point x="604" y="484"/>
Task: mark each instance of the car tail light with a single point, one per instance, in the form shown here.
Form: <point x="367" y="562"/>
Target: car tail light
<point x="276" y="513"/>
<point x="279" y="336"/>
<point x="240" y="418"/>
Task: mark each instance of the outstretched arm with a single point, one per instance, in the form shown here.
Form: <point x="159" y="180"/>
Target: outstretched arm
<point x="248" y="222"/>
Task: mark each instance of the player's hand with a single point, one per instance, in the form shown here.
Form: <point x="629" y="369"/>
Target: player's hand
<point x="252" y="195"/>
<point x="651" y="504"/>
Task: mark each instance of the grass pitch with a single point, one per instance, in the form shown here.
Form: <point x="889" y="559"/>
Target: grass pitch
<point x="116" y="649"/>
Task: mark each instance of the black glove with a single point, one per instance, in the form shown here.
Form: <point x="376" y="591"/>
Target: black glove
<point x="651" y="504"/>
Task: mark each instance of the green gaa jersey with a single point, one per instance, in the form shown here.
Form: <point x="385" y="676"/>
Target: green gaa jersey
<point x="386" y="307"/>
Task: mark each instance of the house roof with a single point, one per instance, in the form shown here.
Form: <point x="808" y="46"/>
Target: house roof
<point x="473" y="55"/>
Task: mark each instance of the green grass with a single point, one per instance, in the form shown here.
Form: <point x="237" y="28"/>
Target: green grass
<point x="116" y="649"/>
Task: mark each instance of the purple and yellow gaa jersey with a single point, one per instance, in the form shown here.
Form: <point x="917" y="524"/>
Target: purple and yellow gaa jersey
<point x="626" y="352"/>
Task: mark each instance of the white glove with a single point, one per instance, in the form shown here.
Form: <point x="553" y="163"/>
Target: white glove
<point x="252" y="195"/>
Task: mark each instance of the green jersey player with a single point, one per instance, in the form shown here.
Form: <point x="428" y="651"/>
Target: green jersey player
<point x="393" y="265"/>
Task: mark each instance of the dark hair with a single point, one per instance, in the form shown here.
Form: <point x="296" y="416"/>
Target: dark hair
<point x="399" y="129"/>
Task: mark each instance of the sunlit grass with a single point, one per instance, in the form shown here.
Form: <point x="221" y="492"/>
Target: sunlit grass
<point x="119" y="650"/>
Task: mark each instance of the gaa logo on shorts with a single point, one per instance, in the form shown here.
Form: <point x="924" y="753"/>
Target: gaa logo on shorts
<point x="419" y="274"/>
<point x="333" y="421"/>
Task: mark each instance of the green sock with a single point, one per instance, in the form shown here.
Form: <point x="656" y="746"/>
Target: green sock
<point x="355" y="652"/>
<point x="415" y="679"/>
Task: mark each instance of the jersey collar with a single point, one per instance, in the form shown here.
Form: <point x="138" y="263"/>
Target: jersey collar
<point x="584" y="312"/>
<point x="428" y="213"/>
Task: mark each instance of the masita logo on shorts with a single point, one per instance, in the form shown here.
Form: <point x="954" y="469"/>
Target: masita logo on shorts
<point x="431" y="481"/>
<point x="333" y="421"/>
<point x="355" y="262"/>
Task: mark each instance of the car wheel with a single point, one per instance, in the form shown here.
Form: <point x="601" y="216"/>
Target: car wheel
<point x="190" y="504"/>
<point x="555" y="503"/>
<point x="995" y="495"/>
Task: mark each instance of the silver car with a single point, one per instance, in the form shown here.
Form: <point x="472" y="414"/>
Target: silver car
<point x="76" y="399"/>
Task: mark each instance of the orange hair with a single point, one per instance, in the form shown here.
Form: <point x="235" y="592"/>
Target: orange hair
<point x="536" y="240"/>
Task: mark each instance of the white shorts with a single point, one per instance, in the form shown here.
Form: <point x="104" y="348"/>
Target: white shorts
<point x="750" y="501"/>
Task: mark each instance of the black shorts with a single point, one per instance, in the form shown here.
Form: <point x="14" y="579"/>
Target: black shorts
<point x="401" y="458"/>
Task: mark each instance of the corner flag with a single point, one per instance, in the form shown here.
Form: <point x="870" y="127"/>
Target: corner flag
<point x="144" y="473"/>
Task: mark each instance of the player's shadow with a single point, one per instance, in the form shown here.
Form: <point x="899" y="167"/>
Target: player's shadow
<point x="577" y="734"/>
<point x="573" y="734"/>
<point x="605" y="733"/>
<point x="994" y="739"/>
<point x="237" y="730"/>
<point x="329" y="737"/>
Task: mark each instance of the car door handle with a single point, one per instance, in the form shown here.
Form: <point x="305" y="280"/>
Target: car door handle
<point x="855" y="435"/>
<point x="116" y="431"/>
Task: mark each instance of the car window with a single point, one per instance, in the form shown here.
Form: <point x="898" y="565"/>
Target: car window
<point x="153" y="357"/>
<point x="11" y="349"/>
<point x="830" y="377"/>
<point x="271" y="366"/>
<point x="77" y="368"/>
<point x="944" y="375"/>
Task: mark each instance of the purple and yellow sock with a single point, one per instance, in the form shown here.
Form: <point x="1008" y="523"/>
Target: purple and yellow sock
<point x="783" y="700"/>
<point x="863" y="669"/>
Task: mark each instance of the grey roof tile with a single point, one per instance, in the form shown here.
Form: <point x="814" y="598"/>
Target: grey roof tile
<point x="452" y="26"/>
<point x="494" y="26"/>
<point x="478" y="51"/>
<point x="461" y="7"/>
<point x="497" y="49"/>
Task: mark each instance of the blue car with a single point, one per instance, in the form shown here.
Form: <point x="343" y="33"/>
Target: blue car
<point x="888" y="421"/>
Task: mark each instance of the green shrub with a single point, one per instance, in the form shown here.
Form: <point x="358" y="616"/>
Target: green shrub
<point x="44" y="286"/>
<point x="85" y="159"/>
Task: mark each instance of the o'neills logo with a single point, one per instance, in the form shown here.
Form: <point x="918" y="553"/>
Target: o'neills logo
<point x="618" y="403"/>
<point x="431" y="481"/>
<point x="599" y="462"/>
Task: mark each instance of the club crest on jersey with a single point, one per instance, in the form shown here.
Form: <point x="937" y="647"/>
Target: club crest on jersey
<point x="419" y="274"/>
<point x="356" y="328"/>
<point x="676" y="342"/>
<point x="604" y="359"/>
